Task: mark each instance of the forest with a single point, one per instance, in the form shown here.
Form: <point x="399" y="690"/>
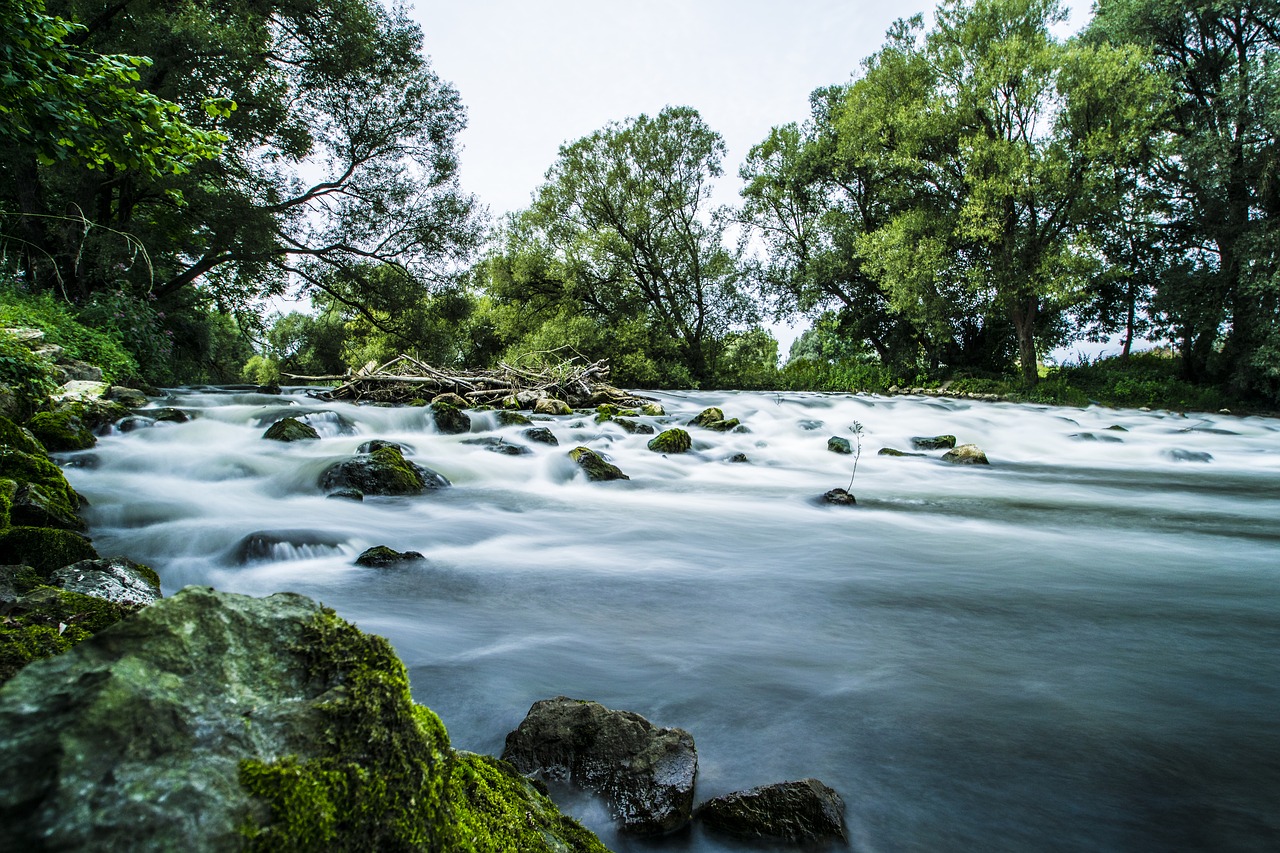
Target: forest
<point x="981" y="192"/>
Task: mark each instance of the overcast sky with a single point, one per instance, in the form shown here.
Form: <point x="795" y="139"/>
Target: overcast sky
<point x="535" y="74"/>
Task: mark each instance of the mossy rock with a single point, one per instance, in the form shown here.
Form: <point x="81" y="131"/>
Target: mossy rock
<point x="634" y="427"/>
<point x="653" y="410"/>
<point x="452" y="399"/>
<point x="29" y="469"/>
<point x="46" y="621"/>
<point x="497" y="809"/>
<point x="384" y="471"/>
<point x="707" y="416"/>
<point x="966" y="454"/>
<point x="39" y="505"/>
<point x="381" y="557"/>
<point x="838" y="444"/>
<point x="8" y="488"/>
<point x="892" y="451"/>
<point x="933" y="442"/>
<point x="674" y="440"/>
<point x="551" y="406"/>
<point x="44" y="548"/>
<point x="448" y="418"/>
<point x="513" y="419"/>
<point x="61" y="431"/>
<point x="291" y="429"/>
<point x="596" y="468"/>
<point x="542" y="435"/>
<point x="19" y="438"/>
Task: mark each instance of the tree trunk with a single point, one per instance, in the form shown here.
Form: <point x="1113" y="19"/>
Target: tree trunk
<point x="1023" y="315"/>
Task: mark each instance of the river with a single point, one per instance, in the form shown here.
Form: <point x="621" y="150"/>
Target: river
<point x="1075" y="648"/>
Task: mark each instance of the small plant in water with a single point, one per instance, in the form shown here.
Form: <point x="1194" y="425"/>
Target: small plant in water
<point x="856" y="429"/>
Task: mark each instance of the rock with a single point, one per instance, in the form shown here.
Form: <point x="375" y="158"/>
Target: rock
<point x="38" y="469"/>
<point x="291" y="429"/>
<point x="707" y="416"/>
<point x="738" y="457"/>
<point x="596" y="468"/>
<point x="836" y="444"/>
<point x="348" y="494"/>
<point x="890" y="451"/>
<point x="810" y="426"/>
<point x="377" y="444"/>
<point x="265" y="545"/>
<point x="495" y="444"/>
<point x="130" y="397"/>
<point x="36" y="505"/>
<point x="114" y="579"/>
<point x="25" y="334"/>
<point x="19" y="438"/>
<point x="935" y="442"/>
<point x="800" y="812"/>
<point x="653" y="410"/>
<point x="134" y="422"/>
<point x="1117" y="428"/>
<point x="839" y="497"/>
<point x="645" y="772"/>
<point x="72" y="370"/>
<point x="551" y="406"/>
<point x="44" y="549"/>
<point x="380" y="557"/>
<point x="1179" y="455"/>
<point x="168" y="414"/>
<point x="966" y="454"/>
<point x="384" y="471"/>
<point x="61" y="430"/>
<point x="634" y="427"/>
<point x="449" y="419"/>
<point x="455" y="400"/>
<point x="674" y="440"/>
<point x="512" y="419"/>
<point x="81" y="391"/>
<point x="542" y="435"/>
<point x="42" y="621"/>
<point x="271" y="388"/>
<point x="1090" y="436"/>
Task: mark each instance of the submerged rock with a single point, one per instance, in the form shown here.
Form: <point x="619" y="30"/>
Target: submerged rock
<point x="596" y="468"/>
<point x="837" y="444"/>
<point x="810" y="425"/>
<point x="381" y="557"/>
<point x="277" y="544"/>
<point x="384" y="471"/>
<point x="645" y="772"/>
<point x="839" y="497"/>
<point x="1180" y="455"/>
<point x="674" y="440"/>
<point x="653" y="410"/>
<point x="634" y="427"/>
<point x="291" y="429"/>
<point x="890" y="451"/>
<point x="541" y="435"/>
<point x="449" y="419"/>
<point x="966" y="454"/>
<point x="933" y="442"/>
<point x="800" y="812"/>
<point x="495" y="444"/>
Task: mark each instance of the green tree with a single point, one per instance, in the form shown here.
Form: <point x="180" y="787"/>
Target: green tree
<point x="341" y="155"/>
<point x="622" y="228"/>
<point x="1220" y="296"/>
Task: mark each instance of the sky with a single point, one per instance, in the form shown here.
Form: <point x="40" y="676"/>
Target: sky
<point x="534" y="74"/>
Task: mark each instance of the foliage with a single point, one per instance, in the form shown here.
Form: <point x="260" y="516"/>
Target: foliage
<point x="28" y="376"/>
<point x="47" y="621"/>
<point x="63" y="327"/>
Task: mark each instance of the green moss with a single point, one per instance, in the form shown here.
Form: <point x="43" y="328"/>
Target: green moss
<point x="291" y="429"/>
<point x="27" y="468"/>
<point x="61" y="430"/>
<point x="7" y="490"/>
<point x="595" y="467"/>
<point x="380" y="782"/>
<point x="48" y="621"/>
<point x="15" y="437"/>
<point x="449" y="419"/>
<point x="495" y="808"/>
<point x="44" y="548"/>
<point x="513" y="419"/>
<point x="608" y="411"/>
<point x="653" y="409"/>
<point x="674" y="440"/>
<point x="707" y="416"/>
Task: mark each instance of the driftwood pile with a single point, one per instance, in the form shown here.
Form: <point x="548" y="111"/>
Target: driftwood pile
<point x="405" y="379"/>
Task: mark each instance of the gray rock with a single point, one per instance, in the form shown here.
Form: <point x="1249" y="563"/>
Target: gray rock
<point x="449" y="419"/>
<point x="126" y="396"/>
<point x="1180" y="455"/>
<point x="635" y="427"/>
<point x="291" y="429"/>
<point x="836" y="444"/>
<point x="266" y="545"/>
<point x="551" y="406"/>
<point x="933" y="442"/>
<point x="381" y="557"/>
<point x="645" y="772"/>
<point x="113" y="579"/>
<point x="383" y="471"/>
<point x="542" y="435"/>
<point x="891" y="451"/>
<point x="966" y="454"/>
<point x="838" y="497"/>
<point x="800" y="812"/>
<point x="495" y="444"/>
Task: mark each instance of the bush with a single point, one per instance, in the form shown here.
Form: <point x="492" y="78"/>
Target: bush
<point x="63" y="327"/>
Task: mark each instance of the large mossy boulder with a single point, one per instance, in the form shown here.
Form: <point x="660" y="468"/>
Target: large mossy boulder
<point x="448" y="418"/>
<point x="966" y="454"/>
<point x="43" y="548"/>
<point x="595" y="467"/>
<point x="803" y="812"/>
<point x="645" y="772"/>
<point x="291" y="429"/>
<point x="39" y="470"/>
<point x="713" y="419"/>
<point x="19" y="438"/>
<point x="551" y="406"/>
<point x="674" y="440"/>
<point x="213" y="721"/>
<point x="384" y="471"/>
<point x="61" y="430"/>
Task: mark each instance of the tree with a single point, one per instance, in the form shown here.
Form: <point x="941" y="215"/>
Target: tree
<point x="337" y="91"/>
<point x="1220" y="296"/>
<point x="622" y="229"/>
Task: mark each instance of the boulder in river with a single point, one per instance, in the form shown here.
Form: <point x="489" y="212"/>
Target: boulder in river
<point x="838" y="497"/>
<point x="653" y="410"/>
<point x="551" y="406"/>
<point x="113" y="579"/>
<point x="291" y="429"/>
<point x="933" y="442"/>
<point x="1177" y="454"/>
<point x="541" y="435"/>
<point x="61" y="430"/>
<point x="495" y="444"/>
<point x="838" y="444"/>
<point x="507" y="418"/>
<point x="645" y="772"/>
<point x="803" y="812"/>
<point x="891" y="451"/>
<point x="634" y="427"/>
<point x="713" y="418"/>
<point x="595" y="466"/>
<point x="214" y="721"/>
<point x="384" y="471"/>
<point x="966" y="454"/>
<point x="452" y="399"/>
<point x="381" y="557"/>
<point x="674" y="440"/>
<point x="448" y="418"/>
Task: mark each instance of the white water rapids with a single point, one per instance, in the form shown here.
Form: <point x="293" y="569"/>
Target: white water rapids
<point x="1076" y="648"/>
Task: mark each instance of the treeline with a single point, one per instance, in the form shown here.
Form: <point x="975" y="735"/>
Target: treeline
<point x="982" y="192"/>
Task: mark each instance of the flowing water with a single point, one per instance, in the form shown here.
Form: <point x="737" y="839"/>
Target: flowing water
<point x="1075" y="648"/>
